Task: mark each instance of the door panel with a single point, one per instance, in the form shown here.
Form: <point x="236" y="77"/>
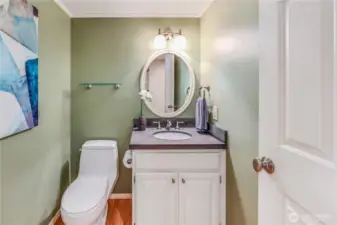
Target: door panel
<point x="156" y="199"/>
<point x="298" y="105"/>
<point x="307" y="93"/>
<point x="199" y="199"/>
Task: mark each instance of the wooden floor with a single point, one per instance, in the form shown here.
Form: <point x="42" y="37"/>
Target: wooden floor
<point x="119" y="212"/>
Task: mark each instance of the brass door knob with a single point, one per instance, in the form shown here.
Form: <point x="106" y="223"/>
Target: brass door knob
<point x="173" y="181"/>
<point x="183" y="180"/>
<point x="263" y="163"/>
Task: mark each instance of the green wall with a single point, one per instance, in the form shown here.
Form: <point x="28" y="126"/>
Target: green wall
<point x="108" y="50"/>
<point x="35" y="164"/>
<point x="229" y="64"/>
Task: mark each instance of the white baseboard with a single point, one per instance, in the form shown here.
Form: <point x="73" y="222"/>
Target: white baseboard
<point x="54" y="219"/>
<point x="121" y="196"/>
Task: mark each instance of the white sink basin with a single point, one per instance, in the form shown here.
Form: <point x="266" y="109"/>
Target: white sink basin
<point x="172" y="135"/>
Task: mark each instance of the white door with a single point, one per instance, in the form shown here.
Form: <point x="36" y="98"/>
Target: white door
<point x="199" y="199"/>
<point x="156" y="199"/>
<point x="298" y="112"/>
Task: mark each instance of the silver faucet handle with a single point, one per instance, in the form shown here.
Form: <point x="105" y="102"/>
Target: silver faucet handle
<point x="177" y="124"/>
<point x="157" y="122"/>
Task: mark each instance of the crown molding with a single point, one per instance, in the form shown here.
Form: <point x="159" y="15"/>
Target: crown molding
<point x="61" y="4"/>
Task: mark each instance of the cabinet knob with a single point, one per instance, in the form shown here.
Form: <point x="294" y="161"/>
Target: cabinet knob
<point x="173" y="181"/>
<point x="183" y="180"/>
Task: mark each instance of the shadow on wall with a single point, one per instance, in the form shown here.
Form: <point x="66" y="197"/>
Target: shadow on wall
<point x="65" y="180"/>
<point x="233" y="195"/>
<point x="124" y="182"/>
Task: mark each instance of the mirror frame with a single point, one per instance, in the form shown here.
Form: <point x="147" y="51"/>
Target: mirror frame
<point x="190" y="95"/>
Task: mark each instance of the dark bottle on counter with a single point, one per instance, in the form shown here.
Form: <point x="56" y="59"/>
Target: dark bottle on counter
<point x="142" y="123"/>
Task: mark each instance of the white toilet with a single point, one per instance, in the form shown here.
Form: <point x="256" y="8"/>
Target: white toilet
<point x="85" y="200"/>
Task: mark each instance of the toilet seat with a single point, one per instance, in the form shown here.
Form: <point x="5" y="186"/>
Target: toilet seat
<point x="85" y="194"/>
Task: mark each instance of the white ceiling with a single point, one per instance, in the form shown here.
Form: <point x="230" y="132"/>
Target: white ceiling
<point x="134" y="8"/>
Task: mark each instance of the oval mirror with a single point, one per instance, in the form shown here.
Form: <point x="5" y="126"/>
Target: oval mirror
<point x="170" y="79"/>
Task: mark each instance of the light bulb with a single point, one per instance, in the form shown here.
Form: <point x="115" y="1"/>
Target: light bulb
<point x="180" y="42"/>
<point x="159" y="41"/>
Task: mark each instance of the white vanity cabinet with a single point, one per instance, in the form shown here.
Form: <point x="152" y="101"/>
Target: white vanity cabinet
<point x="178" y="187"/>
<point x="156" y="199"/>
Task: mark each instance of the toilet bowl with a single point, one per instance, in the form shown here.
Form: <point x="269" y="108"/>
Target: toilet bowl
<point x="85" y="200"/>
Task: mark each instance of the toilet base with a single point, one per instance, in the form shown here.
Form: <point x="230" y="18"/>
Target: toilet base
<point x="102" y="218"/>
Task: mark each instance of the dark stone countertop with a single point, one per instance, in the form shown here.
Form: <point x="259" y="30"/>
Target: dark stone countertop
<point x="144" y="140"/>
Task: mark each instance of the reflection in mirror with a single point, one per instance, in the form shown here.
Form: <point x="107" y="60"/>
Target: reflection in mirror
<point x="168" y="80"/>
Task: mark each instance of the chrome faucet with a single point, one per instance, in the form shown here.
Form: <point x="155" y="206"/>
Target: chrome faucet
<point x="157" y="122"/>
<point x="168" y="125"/>
<point x="177" y="124"/>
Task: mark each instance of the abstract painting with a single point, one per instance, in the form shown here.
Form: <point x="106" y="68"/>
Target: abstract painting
<point x="18" y="67"/>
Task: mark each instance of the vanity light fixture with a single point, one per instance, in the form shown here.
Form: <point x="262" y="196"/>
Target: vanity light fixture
<point x="161" y="39"/>
<point x="180" y="41"/>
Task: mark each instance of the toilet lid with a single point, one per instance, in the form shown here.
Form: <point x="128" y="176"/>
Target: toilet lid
<point x="84" y="194"/>
<point x="99" y="144"/>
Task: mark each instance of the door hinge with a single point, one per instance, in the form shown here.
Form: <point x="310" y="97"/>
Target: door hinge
<point x="134" y="181"/>
<point x="220" y="182"/>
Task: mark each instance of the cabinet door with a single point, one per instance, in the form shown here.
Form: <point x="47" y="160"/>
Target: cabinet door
<point x="199" y="199"/>
<point x="156" y="199"/>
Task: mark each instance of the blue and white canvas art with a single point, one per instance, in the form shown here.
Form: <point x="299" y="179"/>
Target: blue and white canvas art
<point x="18" y="67"/>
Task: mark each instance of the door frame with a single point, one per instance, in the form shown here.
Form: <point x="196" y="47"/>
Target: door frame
<point x="269" y="40"/>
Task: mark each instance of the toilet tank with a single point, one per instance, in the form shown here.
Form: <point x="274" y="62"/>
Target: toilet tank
<point x="99" y="158"/>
